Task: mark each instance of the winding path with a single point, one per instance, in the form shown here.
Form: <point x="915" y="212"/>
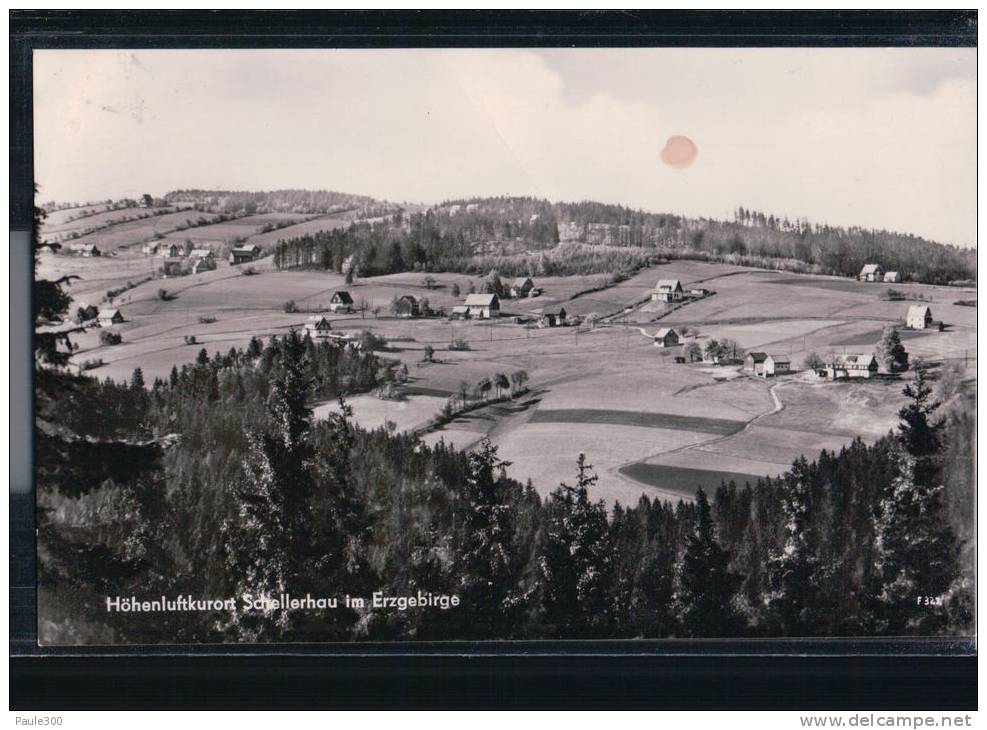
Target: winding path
<point x="777" y="407"/>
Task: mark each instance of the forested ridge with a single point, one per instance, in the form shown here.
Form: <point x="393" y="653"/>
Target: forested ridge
<point x="520" y="234"/>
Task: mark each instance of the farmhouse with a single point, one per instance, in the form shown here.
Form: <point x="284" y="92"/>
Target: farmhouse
<point x="666" y="337"/>
<point x="341" y="301"/>
<point x="151" y="248"/>
<point x="552" y="319"/>
<point x="109" y="317"/>
<point x="853" y="366"/>
<point x="767" y="366"/>
<point x="777" y="365"/>
<point x="87" y="250"/>
<point x="892" y="277"/>
<point x="318" y="327"/>
<point x="919" y="317"/>
<point x="667" y="290"/>
<point x="755" y="362"/>
<point x="482" y="306"/>
<point x="242" y="254"/>
<point x="200" y="253"/>
<point x="407" y="306"/>
<point x="871" y="272"/>
<point x="521" y="287"/>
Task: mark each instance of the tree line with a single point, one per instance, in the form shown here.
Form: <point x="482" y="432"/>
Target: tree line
<point x="519" y="233"/>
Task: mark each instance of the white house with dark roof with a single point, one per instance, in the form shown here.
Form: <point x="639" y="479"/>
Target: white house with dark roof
<point x="318" y="326"/>
<point x="871" y="272"/>
<point x="482" y="306"/>
<point x="892" y="277"/>
<point x="341" y="301"/>
<point x="853" y="366"/>
<point x="109" y="317"/>
<point x="667" y="290"/>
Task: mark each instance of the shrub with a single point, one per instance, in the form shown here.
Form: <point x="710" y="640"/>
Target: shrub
<point x="248" y="271"/>
<point x="165" y="296"/>
<point x="206" y="320"/>
<point x="109" y="337"/>
<point x="290" y="307"/>
<point x="91" y="364"/>
<point x="190" y="340"/>
<point x="459" y="344"/>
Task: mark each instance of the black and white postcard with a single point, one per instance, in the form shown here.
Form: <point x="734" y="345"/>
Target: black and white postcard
<point x="434" y="345"/>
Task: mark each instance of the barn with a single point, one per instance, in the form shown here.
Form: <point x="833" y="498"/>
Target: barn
<point x="892" y="277"/>
<point x="666" y="337"/>
<point x="243" y="254"/>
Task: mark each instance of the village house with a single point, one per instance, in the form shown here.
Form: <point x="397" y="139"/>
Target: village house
<point x="341" y="301"/>
<point x="667" y="290"/>
<point x="871" y="272"/>
<point x="754" y="362"/>
<point x="243" y="254"/>
<point x="521" y="287"/>
<point x="109" y="317"/>
<point x="666" y="337"/>
<point x="919" y="317"/>
<point x="482" y="306"/>
<point x="151" y="248"/>
<point x="200" y="253"/>
<point x="87" y="250"/>
<point x="892" y="277"/>
<point x="552" y="319"/>
<point x="766" y="366"/>
<point x="407" y="306"/>
<point x="318" y="327"/>
<point x="852" y="366"/>
<point x="777" y="365"/>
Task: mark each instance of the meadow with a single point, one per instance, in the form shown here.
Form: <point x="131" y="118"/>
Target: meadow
<point x="647" y="424"/>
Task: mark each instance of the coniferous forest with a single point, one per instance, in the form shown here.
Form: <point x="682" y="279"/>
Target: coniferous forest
<point x="218" y="482"/>
<point x="516" y="237"/>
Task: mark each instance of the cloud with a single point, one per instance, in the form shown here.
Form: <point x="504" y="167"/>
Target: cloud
<point x="838" y="135"/>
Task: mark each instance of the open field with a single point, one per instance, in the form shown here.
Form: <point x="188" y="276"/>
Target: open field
<point x="225" y="233"/>
<point x="647" y="424"/>
<point x="136" y="232"/>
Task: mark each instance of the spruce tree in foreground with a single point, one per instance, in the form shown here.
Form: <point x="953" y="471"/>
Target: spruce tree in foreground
<point x="487" y="562"/>
<point x="794" y="574"/>
<point x="916" y="550"/>
<point x="706" y="587"/>
<point x="265" y="546"/>
<point x="574" y="565"/>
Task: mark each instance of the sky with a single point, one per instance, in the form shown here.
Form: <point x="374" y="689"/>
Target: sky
<point x="882" y="138"/>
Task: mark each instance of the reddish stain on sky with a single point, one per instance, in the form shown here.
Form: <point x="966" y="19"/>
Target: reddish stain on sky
<point x="679" y="152"/>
